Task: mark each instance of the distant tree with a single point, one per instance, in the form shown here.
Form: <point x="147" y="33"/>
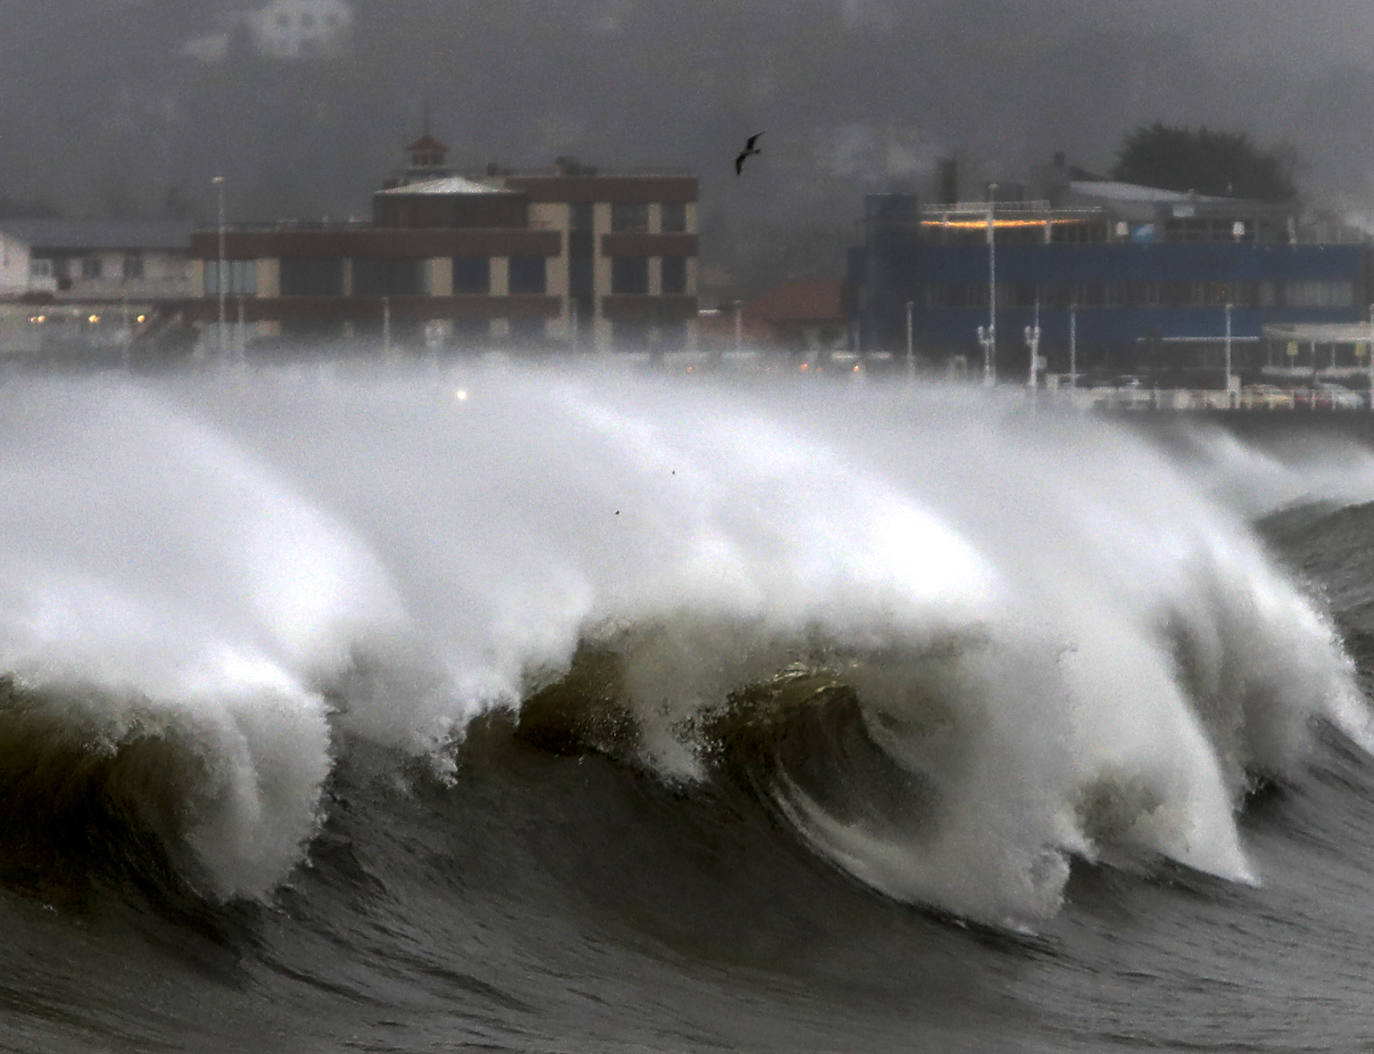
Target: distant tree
<point x="1216" y="163"/>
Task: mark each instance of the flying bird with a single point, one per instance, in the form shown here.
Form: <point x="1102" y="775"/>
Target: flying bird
<point x="749" y="149"/>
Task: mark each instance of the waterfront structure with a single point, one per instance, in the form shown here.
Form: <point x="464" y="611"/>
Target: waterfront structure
<point x="1108" y="278"/>
<point x="569" y="259"/>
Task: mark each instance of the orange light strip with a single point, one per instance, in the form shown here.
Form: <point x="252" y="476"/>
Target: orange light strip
<point x="982" y="225"/>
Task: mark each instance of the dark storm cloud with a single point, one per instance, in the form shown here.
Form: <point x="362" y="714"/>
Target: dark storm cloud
<point x="104" y="111"/>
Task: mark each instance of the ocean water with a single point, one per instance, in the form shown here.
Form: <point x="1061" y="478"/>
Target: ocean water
<point x="525" y="710"/>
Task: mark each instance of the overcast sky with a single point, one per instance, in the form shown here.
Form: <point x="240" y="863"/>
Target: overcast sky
<point x="105" y="110"/>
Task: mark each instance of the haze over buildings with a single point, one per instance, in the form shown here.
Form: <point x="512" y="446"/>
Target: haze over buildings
<point x="110" y="114"/>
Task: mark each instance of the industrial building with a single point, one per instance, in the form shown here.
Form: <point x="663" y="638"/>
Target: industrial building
<point x="1106" y="278"/>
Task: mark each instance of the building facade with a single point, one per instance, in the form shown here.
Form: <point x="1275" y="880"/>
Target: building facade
<point x="105" y="260"/>
<point x="1107" y="278"/>
<point x="565" y="259"/>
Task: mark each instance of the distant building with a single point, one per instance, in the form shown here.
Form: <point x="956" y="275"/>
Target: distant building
<point x="14" y="264"/>
<point x="564" y="258"/>
<point x="289" y="29"/>
<point x="281" y="29"/>
<point x="805" y="317"/>
<point x="104" y="259"/>
<point x="1138" y="279"/>
<point x="91" y="293"/>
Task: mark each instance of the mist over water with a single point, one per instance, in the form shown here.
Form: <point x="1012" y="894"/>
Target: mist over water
<point x="1056" y="640"/>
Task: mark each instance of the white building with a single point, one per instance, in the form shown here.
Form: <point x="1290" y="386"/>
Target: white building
<point x="299" y="28"/>
<point x="14" y="265"/>
<point x="282" y="29"/>
<point x="97" y="259"/>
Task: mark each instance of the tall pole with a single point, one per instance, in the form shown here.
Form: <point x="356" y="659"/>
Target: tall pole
<point x="573" y="342"/>
<point x="221" y="278"/>
<point x="1073" y="346"/>
<point x="739" y="326"/>
<point x="1228" y="356"/>
<point x="990" y="349"/>
<point x="910" y="346"/>
<point x="386" y="326"/>
<point x="1369" y="350"/>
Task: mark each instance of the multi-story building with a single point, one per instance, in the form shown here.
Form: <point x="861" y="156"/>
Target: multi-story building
<point x="566" y="258"/>
<point x="1124" y="278"/>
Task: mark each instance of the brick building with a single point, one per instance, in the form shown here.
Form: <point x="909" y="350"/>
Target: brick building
<point x="564" y="259"/>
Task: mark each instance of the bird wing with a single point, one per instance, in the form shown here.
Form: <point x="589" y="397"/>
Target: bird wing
<point x="739" y="163"/>
<point x="749" y="143"/>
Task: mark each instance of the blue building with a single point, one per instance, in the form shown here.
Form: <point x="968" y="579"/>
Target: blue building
<point x="1129" y="279"/>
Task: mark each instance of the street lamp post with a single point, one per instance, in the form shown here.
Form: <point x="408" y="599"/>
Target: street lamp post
<point x="1073" y="346"/>
<point x="221" y="279"/>
<point x="910" y="347"/>
<point x="1032" y="335"/>
<point x="1228" y="355"/>
<point x="990" y="348"/>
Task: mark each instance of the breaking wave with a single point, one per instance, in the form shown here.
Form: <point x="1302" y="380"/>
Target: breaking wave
<point x="951" y="645"/>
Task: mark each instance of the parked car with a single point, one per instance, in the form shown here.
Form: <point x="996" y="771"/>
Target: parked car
<point x="1266" y="397"/>
<point x="1328" y="395"/>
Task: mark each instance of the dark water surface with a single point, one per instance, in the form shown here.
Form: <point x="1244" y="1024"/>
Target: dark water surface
<point x="334" y="717"/>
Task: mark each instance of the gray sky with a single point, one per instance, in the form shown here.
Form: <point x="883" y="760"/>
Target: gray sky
<point x="104" y="113"/>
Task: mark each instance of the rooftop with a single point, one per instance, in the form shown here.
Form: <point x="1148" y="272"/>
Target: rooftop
<point x="86" y="235"/>
<point x="447" y="185"/>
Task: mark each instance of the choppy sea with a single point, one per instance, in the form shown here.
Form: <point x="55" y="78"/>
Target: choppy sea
<point x="516" y="709"/>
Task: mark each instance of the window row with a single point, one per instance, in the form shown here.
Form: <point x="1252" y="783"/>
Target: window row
<point x="628" y="218"/>
<point x="92" y="267"/>
<point x="241" y="278"/>
<point x="630" y="275"/>
<point x="1173" y="294"/>
<point x="402" y="276"/>
<point x="409" y="276"/>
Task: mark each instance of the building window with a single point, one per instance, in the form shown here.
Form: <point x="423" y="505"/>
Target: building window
<point x="311" y="276"/>
<point x="471" y="274"/>
<point x="583" y="216"/>
<point x="630" y="274"/>
<point x="242" y="277"/>
<point x="92" y="267"/>
<point x="380" y="276"/>
<point x="625" y="217"/>
<point x="40" y="268"/>
<point x="133" y="266"/>
<point x="674" y="275"/>
<point x="1319" y="294"/>
<point x="527" y="274"/>
<point x="674" y="217"/>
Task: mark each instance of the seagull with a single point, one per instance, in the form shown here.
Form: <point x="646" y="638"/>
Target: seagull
<point x="749" y="148"/>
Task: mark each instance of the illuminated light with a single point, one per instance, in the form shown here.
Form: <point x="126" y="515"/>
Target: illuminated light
<point x="856" y="367"/>
<point x="142" y="318"/>
<point x="691" y="369"/>
<point x="93" y="319"/>
<point x="805" y="366"/>
<point x="461" y="395"/>
<point x="982" y="225"/>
